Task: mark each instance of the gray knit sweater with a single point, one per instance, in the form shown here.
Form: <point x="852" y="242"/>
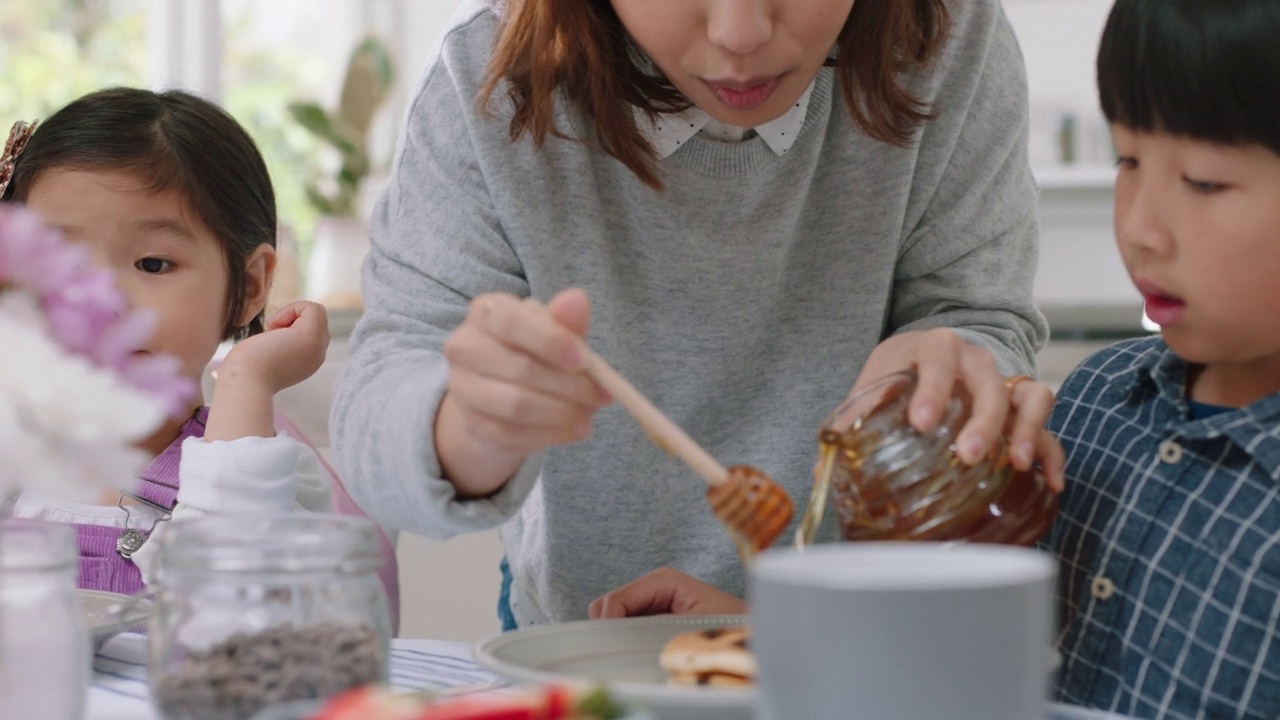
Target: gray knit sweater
<point x="743" y="299"/>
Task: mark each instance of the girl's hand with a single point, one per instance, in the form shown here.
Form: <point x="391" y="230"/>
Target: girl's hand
<point x="1017" y="405"/>
<point x="291" y="349"/>
<point x="665" y="591"/>
<point x="516" y="386"/>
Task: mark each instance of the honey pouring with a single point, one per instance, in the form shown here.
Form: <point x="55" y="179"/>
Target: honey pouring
<point x="888" y="481"/>
<point x="752" y="506"/>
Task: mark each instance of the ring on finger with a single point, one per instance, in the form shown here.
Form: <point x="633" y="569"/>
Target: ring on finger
<point x="1012" y="382"/>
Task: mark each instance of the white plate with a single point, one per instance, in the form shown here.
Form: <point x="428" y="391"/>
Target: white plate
<point x="108" y="614"/>
<point x="624" y="654"/>
<point x="620" y="653"/>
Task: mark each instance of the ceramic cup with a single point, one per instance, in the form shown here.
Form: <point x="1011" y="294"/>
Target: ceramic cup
<point x="908" y="631"/>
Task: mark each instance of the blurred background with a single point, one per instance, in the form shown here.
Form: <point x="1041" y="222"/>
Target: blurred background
<point x="260" y="58"/>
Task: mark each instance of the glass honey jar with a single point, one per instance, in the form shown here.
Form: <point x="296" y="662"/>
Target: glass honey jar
<point x="888" y="481"/>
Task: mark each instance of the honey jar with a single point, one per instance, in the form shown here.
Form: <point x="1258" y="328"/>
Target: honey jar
<point x="888" y="481"/>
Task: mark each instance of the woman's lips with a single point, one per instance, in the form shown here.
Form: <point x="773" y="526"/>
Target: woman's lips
<point x="747" y="95"/>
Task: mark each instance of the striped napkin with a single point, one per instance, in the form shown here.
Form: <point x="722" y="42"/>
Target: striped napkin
<point x="118" y="688"/>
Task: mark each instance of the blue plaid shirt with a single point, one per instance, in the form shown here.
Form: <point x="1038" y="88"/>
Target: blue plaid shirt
<point x="1169" y="538"/>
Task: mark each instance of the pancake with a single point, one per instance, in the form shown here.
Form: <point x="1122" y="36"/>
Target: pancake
<point x="709" y="680"/>
<point x="716" y="657"/>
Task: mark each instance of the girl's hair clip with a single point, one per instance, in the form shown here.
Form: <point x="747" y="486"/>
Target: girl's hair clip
<point x="19" y="134"/>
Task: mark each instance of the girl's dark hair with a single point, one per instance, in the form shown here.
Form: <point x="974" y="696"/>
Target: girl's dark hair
<point x="581" y="48"/>
<point x="1204" y="69"/>
<point x="171" y="141"/>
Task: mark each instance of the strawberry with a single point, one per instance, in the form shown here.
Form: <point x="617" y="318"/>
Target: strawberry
<point x="545" y="703"/>
<point x="483" y="708"/>
<point x="369" y="703"/>
<point x="559" y="702"/>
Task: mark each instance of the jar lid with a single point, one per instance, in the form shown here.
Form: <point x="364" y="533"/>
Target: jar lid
<point x="34" y="545"/>
<point x="295" y="542"/>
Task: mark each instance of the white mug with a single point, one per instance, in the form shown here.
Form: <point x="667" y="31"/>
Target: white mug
<point x="903" y="631"/>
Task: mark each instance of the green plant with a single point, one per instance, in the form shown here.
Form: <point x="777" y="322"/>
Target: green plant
<point x="364" y="90"/>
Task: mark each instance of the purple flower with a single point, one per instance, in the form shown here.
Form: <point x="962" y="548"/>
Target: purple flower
<point x="84" y="312"/>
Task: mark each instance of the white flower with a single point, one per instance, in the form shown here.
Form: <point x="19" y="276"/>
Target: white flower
<point x="67" y="426"/>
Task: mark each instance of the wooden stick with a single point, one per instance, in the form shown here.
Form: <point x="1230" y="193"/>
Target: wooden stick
<point x="664" y="433"/>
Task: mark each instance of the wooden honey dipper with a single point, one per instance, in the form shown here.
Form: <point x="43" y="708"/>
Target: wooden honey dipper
<point x="754" y="507"/>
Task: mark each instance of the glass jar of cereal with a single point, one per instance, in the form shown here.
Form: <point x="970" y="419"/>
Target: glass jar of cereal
<point x="250" y="612"/>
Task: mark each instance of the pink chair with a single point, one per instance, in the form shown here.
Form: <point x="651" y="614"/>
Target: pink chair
<point x="389" y="571"/>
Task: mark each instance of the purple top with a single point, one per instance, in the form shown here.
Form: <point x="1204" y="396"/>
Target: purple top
<point x="101" y="566"/>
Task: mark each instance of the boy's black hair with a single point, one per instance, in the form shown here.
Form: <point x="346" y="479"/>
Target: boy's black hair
<point x="1204" y="69"/>
<point x="172" y="141"/>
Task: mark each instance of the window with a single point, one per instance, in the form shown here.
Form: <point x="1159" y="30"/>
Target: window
<point x="276" y="53"/>
<point x="55" y="50"/>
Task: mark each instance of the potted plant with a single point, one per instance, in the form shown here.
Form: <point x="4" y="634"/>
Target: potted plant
<point x="342" y="233"/>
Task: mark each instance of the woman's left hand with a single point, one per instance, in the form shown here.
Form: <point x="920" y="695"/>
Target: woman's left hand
<point x="1018" y="406"/>
<point x="665" y="591"/>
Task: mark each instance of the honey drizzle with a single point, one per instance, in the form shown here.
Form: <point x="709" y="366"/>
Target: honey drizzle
<point x="828" y="447"/>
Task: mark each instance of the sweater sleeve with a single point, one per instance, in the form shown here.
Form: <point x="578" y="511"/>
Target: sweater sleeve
<point x="971" y="244"/>
<point x="436" y="242"/>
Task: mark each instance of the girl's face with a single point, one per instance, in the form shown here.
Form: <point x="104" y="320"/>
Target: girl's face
<point x="745" y="62"/>
<point x="163" y="258"/>
<point x="1198" y="225"/>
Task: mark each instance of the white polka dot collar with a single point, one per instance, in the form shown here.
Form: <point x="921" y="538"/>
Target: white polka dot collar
<point x="671" y="132"/>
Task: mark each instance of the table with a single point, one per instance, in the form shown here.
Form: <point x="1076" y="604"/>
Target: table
<point x="118" y="689"/>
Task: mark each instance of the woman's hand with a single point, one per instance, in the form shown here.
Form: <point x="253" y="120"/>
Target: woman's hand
<point x="516" y="386"/>
<point x="665" y="591"/>
<point x="1019" y="406"/>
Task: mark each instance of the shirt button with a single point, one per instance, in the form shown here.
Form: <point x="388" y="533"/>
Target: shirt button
<point x="1170" y="452"/>
<point x="1103" y="588"/>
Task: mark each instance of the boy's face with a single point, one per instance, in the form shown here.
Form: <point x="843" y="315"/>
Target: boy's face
<point x="1198" y="225"/>
<point x="744" y="63"/>
<point x="163" y="259"/>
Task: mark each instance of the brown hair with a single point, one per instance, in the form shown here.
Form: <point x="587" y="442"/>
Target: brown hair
<point x="581" y="48"/>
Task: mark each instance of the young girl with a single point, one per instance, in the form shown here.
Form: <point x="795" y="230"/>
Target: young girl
<point x="171" y="195"/>
<point x="745" y="207"/>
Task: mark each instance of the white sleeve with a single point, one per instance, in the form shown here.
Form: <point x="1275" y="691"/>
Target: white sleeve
<point x="314" y="492"/>
<point x="246" y="476"/>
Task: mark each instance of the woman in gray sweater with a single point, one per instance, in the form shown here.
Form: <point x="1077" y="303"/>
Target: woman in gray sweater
<point x="746" y="208"/>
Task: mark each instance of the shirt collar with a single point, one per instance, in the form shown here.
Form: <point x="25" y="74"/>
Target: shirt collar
<point x="669" y="132"/>
<point x="1159" y="370"/>
<point x="1254" y="428"/>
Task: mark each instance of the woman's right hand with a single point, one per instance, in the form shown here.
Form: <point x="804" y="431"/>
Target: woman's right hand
<point x="516" y="386"/>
